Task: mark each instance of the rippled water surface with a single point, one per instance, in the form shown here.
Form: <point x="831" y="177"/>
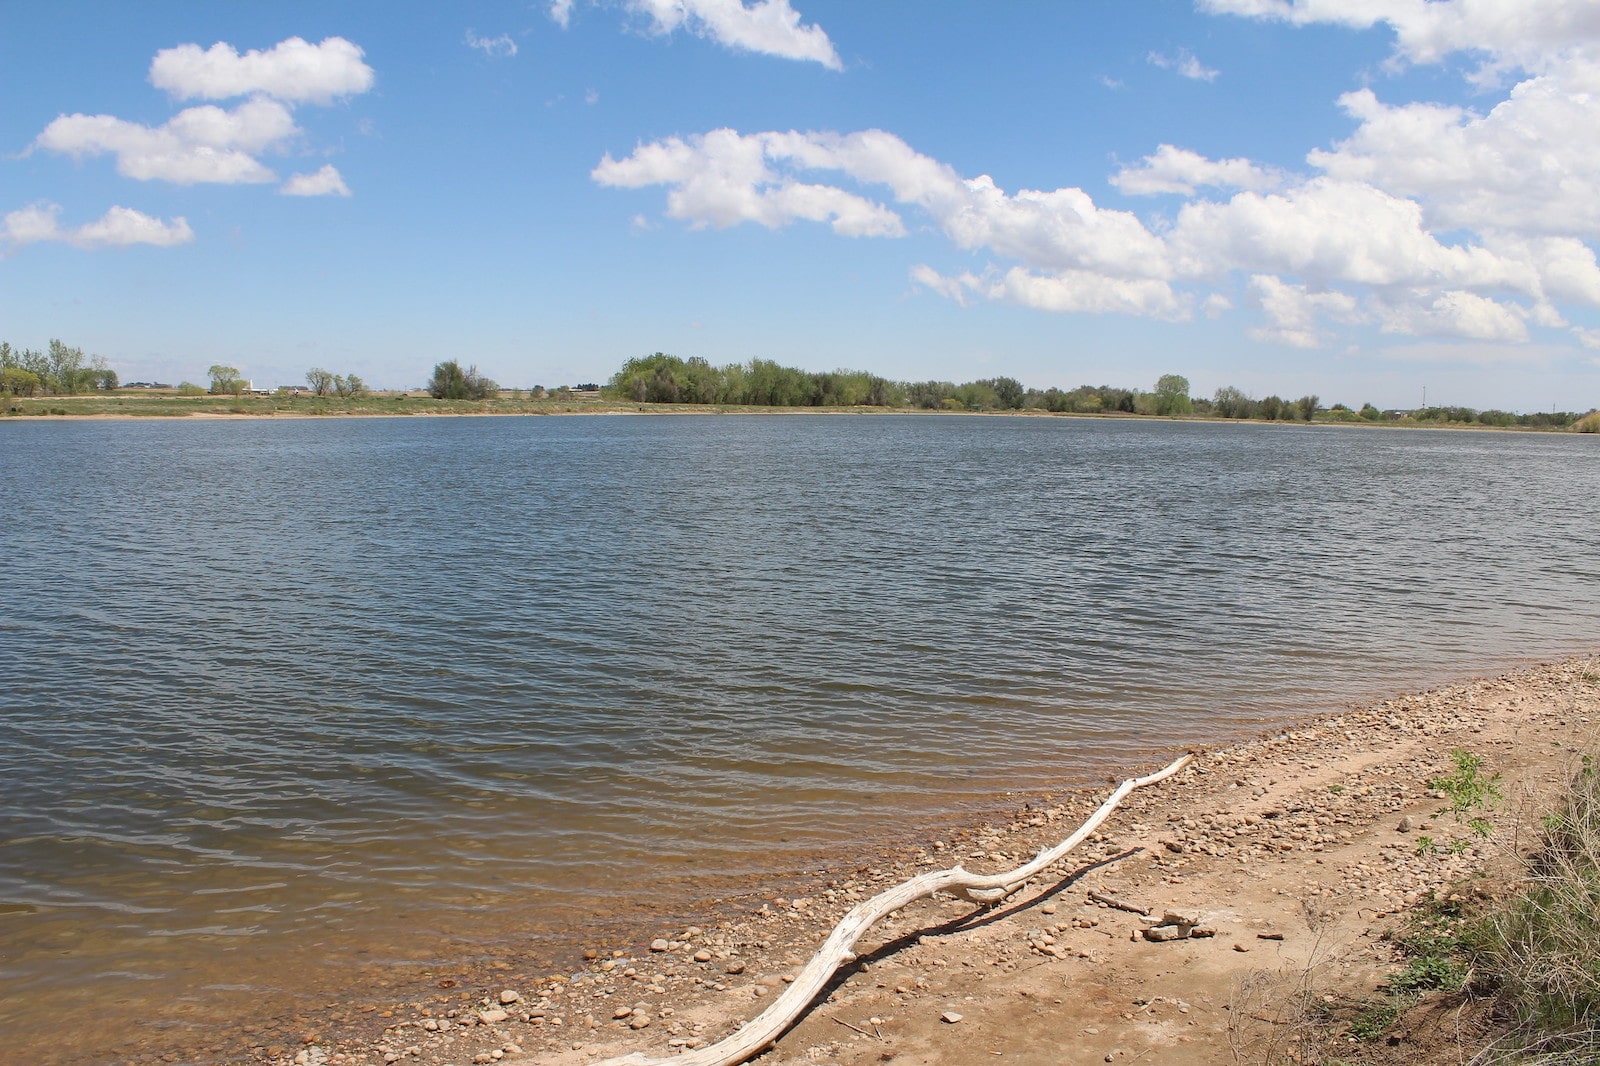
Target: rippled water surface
<point x="285" y="701"/>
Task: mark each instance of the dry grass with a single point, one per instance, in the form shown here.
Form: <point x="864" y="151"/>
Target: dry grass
<point x="1542" y="947"/>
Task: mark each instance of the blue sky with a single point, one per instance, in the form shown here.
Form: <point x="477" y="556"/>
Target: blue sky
<point x="1352" y="198"/>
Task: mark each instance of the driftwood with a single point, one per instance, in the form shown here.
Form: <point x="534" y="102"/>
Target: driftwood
<point x="1112" y="901"/>
<point x="837" y="951"/>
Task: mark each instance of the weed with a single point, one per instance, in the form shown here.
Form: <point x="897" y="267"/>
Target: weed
<point x="1466" y="787"/>
<point x="1376" y="1016"/>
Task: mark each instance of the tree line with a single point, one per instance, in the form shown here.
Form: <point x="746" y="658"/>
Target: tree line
<point x="59" y="370"/>
<point x="662" y="378"/>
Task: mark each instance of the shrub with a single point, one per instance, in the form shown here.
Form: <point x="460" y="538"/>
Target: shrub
<point x="1589" y="423"/>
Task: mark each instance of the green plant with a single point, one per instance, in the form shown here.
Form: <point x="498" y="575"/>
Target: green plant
<point x="1466" y="787"/>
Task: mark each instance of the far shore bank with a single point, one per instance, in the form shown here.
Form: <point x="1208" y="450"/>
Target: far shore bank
<point x="161" y="408"/>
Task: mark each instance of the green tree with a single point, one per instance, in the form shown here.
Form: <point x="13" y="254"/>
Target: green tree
<point x="320" y="381"/>
<point x="16" y="381"/>
<point x="1172" y="395"/>
<point x="450" y="382"/>
<point x="1370" y="413"/>
<point x="100" y="375"/>
<point x="66" y="371"/>
<point x="1230" y="402"/>
<point x="349" y="386"/>
<point x="1307" y="406"/>
<point x="224" y="380"/>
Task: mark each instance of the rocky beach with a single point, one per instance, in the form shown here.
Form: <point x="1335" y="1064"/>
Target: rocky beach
<point x="1190" y="929"/>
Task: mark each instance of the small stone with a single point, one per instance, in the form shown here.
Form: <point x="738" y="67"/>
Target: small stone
<point x="659" y="944"/>
<point x="493" y="1016"/>
<point x="639" y="1021"/>
<point x="1161" y="933"/>
<point x="702" y="955"/>
<point x="950" y="1017"/>
<point x="431" y="1025"/>
<point x="622" y="1012"/>
<point x="1048" y="908"/>
<point x="508" y="997"/>
<point x="736" y="966"/>
<point x="1405" y="824"/>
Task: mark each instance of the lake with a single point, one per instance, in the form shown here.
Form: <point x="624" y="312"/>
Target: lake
<point x="291" y="706"/>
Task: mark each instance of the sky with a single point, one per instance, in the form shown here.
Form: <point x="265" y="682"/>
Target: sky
<point x="1386" y="201"/>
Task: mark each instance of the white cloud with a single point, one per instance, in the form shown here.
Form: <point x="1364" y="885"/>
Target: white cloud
<point x="1589" y="338"/>
<point x="1518" y="167"/>
<point x="1329" y="231"/>
<point x="1185" y="64"/>
<point x="118" y="227"/>
<point x="325" y="182"/>
<point x="1292" y="312"/>
<point x="499" y="47"/>
<point x="199" y="144"/>
<point x="561" y="12"/>
<point x="1525" y="33"/>
<point x="721" y="179"/>
<point x="768" y="27"/>
<point x="292" y="70"/>
<point x="1452" y="313"/>
<point x="1178" y="170"/>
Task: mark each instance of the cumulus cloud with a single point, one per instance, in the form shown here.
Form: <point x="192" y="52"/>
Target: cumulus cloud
<point x="1184" y="63"/>
<point x="199" y="144"/>
<point x="1064" y="291"/>
<point x="1180" y="171"/>
<point x="498" y="47"/>
<point x="118" y="227"/>
<point x="1517" y="167"/>
<point x="722" y="178"/>
<point x="325" y="182"/>
<point x="1428" y="220"/>
<point x="1524" y="33"/>
<point x="1292" y="312"/>
<point x="1060" y="251"/>
<point x="210" y="143"/>
<point x="767" y="27"/>
<point x="293" y="70"/>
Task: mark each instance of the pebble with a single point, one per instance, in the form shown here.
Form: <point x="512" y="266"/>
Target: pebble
<point x="493" y="1016"/>
<point x="659" y="944"/>
<point x="508" y="997"/>
<point x="950" y="1017"/>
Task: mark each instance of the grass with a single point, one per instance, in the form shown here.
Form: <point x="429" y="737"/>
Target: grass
<point x="1543" y="946"/>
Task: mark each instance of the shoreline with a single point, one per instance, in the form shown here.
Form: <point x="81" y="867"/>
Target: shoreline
<point x="607" y="407"/>
<point x="1292" y="833"/>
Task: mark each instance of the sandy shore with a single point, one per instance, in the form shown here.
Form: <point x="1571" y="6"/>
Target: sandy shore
<point x="1290" y="847"/>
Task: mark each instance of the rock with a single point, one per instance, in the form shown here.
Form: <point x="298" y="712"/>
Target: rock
<point x="736" y="966"/>
<point x="622" y="1012"/>
<point x="508" y="997"/>
<point x="431" y="1025"/>
<point x="639" y="1021"/>
<point x="1405" y="824"/>
<point x="1160" y="933"/>
<point x="493" y="1016"/>
<point x="659" y="944"/>
<point x="950" y="1017"/>
<point x="702" y="955"/>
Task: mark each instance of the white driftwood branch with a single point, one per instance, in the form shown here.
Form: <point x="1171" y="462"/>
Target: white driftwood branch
<point x="837" y="951"/>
